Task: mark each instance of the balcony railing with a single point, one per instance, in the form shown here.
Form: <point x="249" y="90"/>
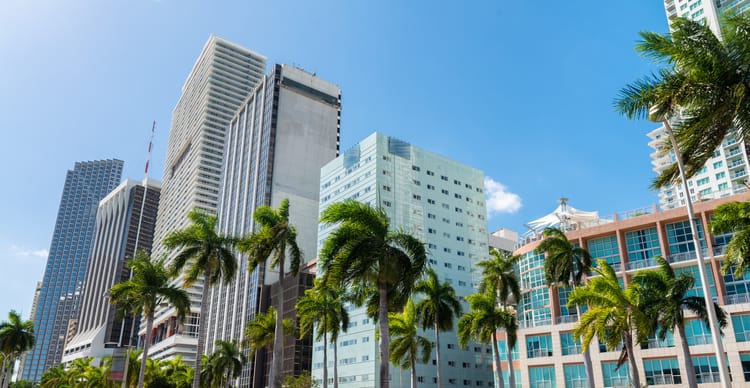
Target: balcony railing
<point x="738" y="298"/>
<point x="661" y="380"/>
<point x="536" y="353"/>
<point x="534" y="323"/>
<point x="685" y="256"/>
<point x="736" y="163"/>
<point x="738" y="174"/>
<point x="640" y="264"/>
<point x="567" y="319"/>
<point x="720" y="250"/>
<point x="742" y="336"/>
<point x="702" y="339"/>
<point x="703" y="378"/>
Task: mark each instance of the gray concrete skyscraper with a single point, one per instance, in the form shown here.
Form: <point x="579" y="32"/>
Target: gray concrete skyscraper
<point x="85" y="186"/>
<point x="281" y="136"/>
<point x="120" y="232"/>
<point x="222" y="78"/>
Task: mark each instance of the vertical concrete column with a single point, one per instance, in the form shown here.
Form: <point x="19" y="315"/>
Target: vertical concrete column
<point x="622" y="249"/>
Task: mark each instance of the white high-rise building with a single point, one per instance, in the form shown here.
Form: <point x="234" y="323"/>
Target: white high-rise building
<point x="222" y="78"/>
<point x="726" y="173"/>
<point x="442" y="203"/>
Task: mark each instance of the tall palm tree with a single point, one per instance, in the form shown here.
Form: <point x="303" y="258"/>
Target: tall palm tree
<point x="229" y="361"/>
<point x="664" y="297"/>
<point x="16" y="337"/>
<point x="276" y="239"/>
<point x="362" y="251"/>
<point x="260" y="332"/>
<point x="148" y="287"/>
<point x="202" y="252"/>
<point x="180" y="373"/>
<point x="700" y="96"/>
<point x="481" y="323"/>
<point x="406" y="343"/>
<point x="439" y="307"/>
<point x="499" y="278"/>
<point x="209" y="378"/>
<point x="614" y="315"/>
<point x="566" y="265"/>
<point x="704" y="80"/>
<point x="734" y="217"/>
<point x="322" y="308"/>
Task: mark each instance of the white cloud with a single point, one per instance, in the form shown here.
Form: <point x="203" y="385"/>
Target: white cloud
<point x="19" y="251"/>
<point x="499" y="199"/>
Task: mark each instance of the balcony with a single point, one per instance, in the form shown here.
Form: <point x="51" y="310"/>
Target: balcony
<point x="701" y="339"/>
<point x="737" y="298"/>
<point x="685" y="256"/>
<point x="662" y="380"/>
<point x="736" y="163"/>
<point x="738" y="174"/>
<point x="733" y="152"/>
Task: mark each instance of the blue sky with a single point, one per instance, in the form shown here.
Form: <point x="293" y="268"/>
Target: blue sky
<point x="519" y="89"/>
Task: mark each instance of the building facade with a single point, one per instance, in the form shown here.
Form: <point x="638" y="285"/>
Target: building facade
<point x="121" y="230"/>
<point x="437" y="200"/>
<point x="85" y="185"/>
<point x="548" y="355"/>
<point x="277" y="142"/>
<point x="726" y="173"/>
<point x="221" y="79"/>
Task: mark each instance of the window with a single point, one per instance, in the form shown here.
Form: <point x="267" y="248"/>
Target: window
<point x="539" y="346"/>
<point x="448" y="265"/>
<point x="680" y="238"/>
<point x="745" y="359"/>
<point x="430" y="187"/>
<point x="569" y="344"/>
<point x="386" y="188"/>
<point x="387" y="203"/>
<point x="707" y="369"/>
<point x="542" y="377"/>
<point x="721" y="175"/>
<point x="702" y="181"/>
<point x="697" y="289"/>
<point x="575" y="376"/>
<point x="431" y="201"/>
<point x="430" y="216"/>
<point x="416" y="182"/>
<point x="662" y="371"/>
<point x="741" y="324"/>
<point x="606" y="248"/>
<point x="443" y="177"/>
<point x="415" y="168"/>
<point x="718" y="164"/>
<point x="444" y="191"/>
<point x="614" y="377"/>
<point x="697" y="332"/>
<point x="417" y="197"/>
<point x="430" y="173"/>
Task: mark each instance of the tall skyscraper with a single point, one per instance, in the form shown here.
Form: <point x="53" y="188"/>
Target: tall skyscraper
<point x="222" y="78"/>
<point x="726" y="173"/>
<point x="119" y="227"/>
<point x="85" y="186"/>
<point x="283" y="133"/>
<point x="442" y="203"/>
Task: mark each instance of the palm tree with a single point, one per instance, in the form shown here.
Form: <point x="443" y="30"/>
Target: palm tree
<point x="363" y="252"/>
<point x="208" y="372"/>
<point x="322" y="308"/>
<point x="481" y="323"/>
<point x="260" y="332"/>
<point x="56" y="377"/>
<point x="704" y="82"/>
<point x="406" y="343"/>
<point x="16" y="337"/>
<point x="566" y="266"/>
<point x="180" y="373"/>
<point x="664" y="297"/>
<point x="205" y="253"/>
<point x="614" y="315"/>
<point x="276" y="239"/>
<point x="148" y="287"/>
<point x="228" y="361"/>
<point x="499" y="278"/>
<point x="734" y="217"/>
<point x="703" y="92"/>
<point x="438" y="309"/>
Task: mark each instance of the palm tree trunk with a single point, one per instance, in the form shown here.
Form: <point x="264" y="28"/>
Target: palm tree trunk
<point x="229" y="378"/>
<point x="274" y="379"/>
<point x="496" y="354"/>
<point x="325" y="357"/>
<point x="144" y="355"/>
<point x="413" y="361"/>
<point x="511" y="375"/>
<point x="437" y="353"/>
<point x="335" y="364"/>
<point x="634" y="377"/>
<point x="691" y="380"/>
<point x="201" y="329"/>
<point x="586" y="357"/>
<point x="384" y="336"/>
<point x="8" y="372"/>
